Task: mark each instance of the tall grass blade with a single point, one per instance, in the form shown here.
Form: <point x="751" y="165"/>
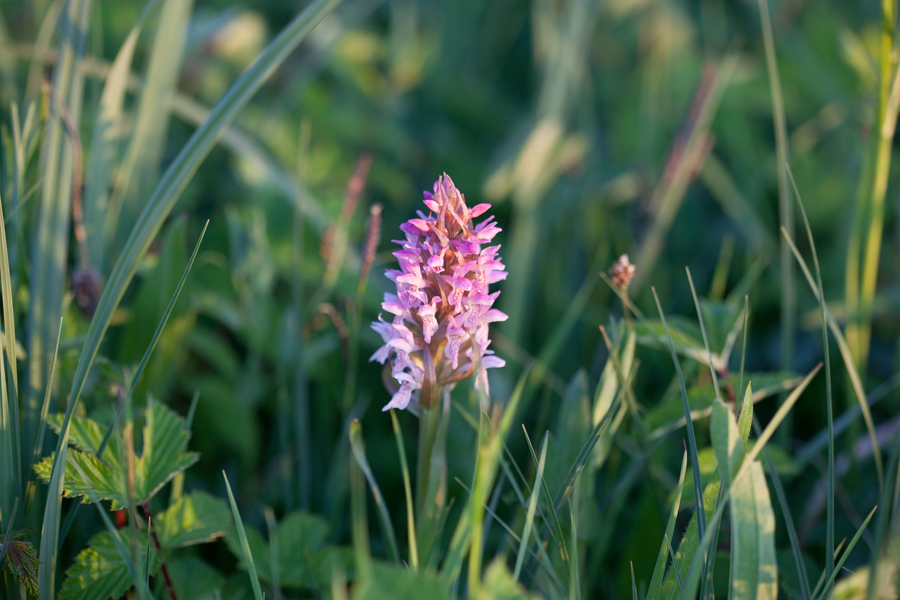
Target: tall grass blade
<point x="692" y="440"/>
<point x="407" y="489"/>
<point x="532" y="508"/>
<point x="245" y="546"/>
<point x="843" y="346"/>
<point x="876" y="450"/>
<point x="359" y="453"/>
<point x="785" y="207"/>
<point x="140" y="164"/>
<point x="662" y="560"/>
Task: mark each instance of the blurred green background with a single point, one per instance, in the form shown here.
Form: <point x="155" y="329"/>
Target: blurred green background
<point x="594" y="128"/>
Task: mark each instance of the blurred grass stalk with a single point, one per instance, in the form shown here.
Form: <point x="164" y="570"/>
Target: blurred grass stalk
<point x="785" y="211"/>
<point x="860" y="287"/>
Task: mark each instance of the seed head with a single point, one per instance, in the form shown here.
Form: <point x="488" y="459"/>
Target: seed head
<point x="622" y="271"/>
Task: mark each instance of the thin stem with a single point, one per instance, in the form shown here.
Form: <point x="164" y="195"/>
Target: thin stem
<point x="162" y="561"/>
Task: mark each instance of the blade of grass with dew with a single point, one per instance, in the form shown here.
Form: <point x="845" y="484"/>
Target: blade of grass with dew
<point x="659" y="570"/>
<point x="840" y="563"/>
<point x="124" y="554"/>
<point x="245" y="547"/>
<point x="407" y="489"/>
<point x="829" y="407"/>
<point x="357" y="445"/>
<point x="157" y="209"/>
<point x="785" y="207"/>
<point x="532" y="508"/>
<point x="692" y="440"/>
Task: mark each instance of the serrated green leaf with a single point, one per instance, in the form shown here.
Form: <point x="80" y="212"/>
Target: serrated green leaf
<point x="304" y="561"/>
<point x="165" y="450"/>
<point x="99" y="573"/>
<point x="164" y="455"/>
<point x="726" y="441"/>
<point x="755" y="569"/>
<point x="386" y="582"/>
<point x="192" y="519"/>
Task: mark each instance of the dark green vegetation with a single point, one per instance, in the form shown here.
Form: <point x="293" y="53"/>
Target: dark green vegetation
<point x="660" y="128"/>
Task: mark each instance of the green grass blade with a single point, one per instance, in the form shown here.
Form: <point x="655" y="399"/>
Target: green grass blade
<point x="272" y="527"/>
<point x="407" y="489"/>
<point x="532" y="508"/>
<point x="634" y="594"/>
<point x="675" y="563"/>
<point x="143" y="155"/>
<point x="659" y="570"/>
<point x="785" y="207"/>
<point x="712" y="370"/>
<point x="850" y="546"/>
<point x="245" y="546"/>
<point x="8" y="520"/>
<point x="165" y="318"/>
<point x="357" y="445"/>
<point x="844" y="348"/>
<point x="692" y="440"/>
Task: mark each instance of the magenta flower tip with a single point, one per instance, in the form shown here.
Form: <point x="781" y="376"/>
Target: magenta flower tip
<point x="442" y="304"/>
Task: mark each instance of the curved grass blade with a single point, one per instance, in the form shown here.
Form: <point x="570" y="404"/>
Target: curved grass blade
<point x="148" y="225"/>
<point x="532" y="508"/>
<point x="359" y="453"/>
<point x="245" y="546"/>
<point x="850" y="546"/>
<point x="876" y="450"/>
<point x="712" y="370"/>
<point x="692" y="440"/>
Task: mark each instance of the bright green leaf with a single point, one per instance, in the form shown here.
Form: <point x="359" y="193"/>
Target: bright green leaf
<point x="193" y="519"/>
<point x="755" y="570"/>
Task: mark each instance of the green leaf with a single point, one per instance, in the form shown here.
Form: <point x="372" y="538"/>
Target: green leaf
<point x="164" y="455"/>
<point x="499" y="584"/>
<point x="755" y="569"/>
<point x="192" y="519"/>
<point x="192" y="578"/>
<point x="99" y="572"/>
<point x="394" y="583"/>
<point x="726" y="441"/>
<point x="304" y="561"/>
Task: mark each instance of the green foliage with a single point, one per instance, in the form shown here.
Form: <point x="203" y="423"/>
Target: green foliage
<point x="99" y="572"/>
<point x="384" y="582"/>
<point x="304" y="558"/>
<point x="193" y="519"/>
<point x="164" y="455"/>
